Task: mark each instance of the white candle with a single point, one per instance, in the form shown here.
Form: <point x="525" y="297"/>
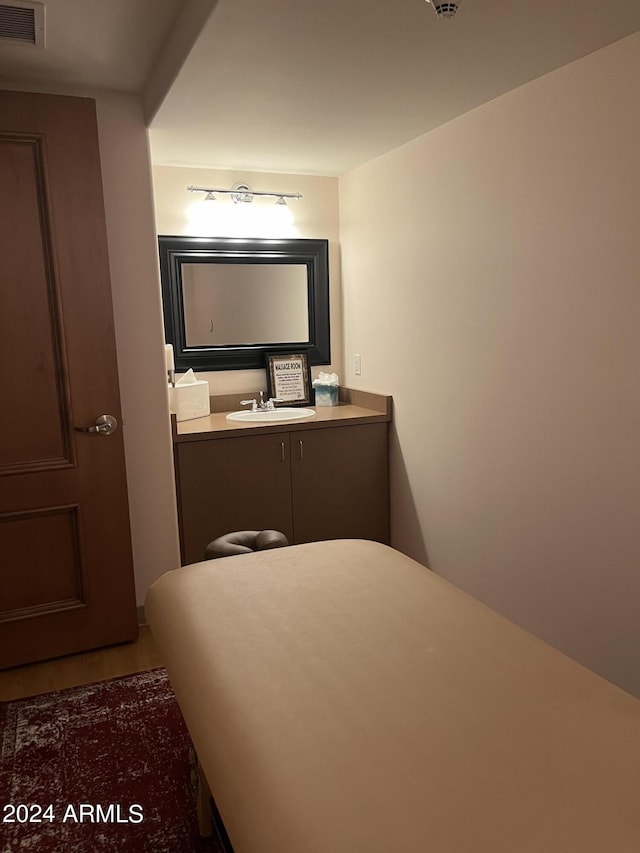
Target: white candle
<point x="168" y="357"/>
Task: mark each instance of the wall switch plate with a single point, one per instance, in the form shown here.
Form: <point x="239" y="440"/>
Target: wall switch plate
<point x="357" y="364"/>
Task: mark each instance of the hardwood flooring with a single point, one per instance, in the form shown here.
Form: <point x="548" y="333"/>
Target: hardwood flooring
<point x="84" y="668"/>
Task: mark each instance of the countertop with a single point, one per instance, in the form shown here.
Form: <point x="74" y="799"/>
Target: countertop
<point x="355" y="407"/>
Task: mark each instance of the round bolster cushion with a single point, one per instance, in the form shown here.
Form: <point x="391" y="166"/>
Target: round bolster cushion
<point x="243" y="542"/>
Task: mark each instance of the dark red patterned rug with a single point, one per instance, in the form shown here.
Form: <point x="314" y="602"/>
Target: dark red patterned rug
<point x="106" y="767"/>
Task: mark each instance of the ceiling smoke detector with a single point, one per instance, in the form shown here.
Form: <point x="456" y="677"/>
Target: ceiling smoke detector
<point x="22" y="23"/>
<point x="443" y="10"/>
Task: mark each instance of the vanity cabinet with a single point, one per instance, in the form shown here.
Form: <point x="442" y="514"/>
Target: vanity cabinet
<point x="311" y="484"/>
<point x="340" y="483"/>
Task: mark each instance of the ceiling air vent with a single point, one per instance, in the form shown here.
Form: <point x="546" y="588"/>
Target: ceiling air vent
<point x="22" y="23"/>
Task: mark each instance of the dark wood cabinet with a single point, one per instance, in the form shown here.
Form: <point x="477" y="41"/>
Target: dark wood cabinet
<point x="340" y="483"/>
<point x="328" y="483"/>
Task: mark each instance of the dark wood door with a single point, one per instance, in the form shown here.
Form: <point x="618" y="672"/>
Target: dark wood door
<point x="340" y="480"/>
<point x="66" y="573"/>
<point x="232" y="484"/>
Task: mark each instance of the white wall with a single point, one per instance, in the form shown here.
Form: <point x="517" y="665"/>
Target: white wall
<point x="315" y="215"/>
<point x="491" y="276"/>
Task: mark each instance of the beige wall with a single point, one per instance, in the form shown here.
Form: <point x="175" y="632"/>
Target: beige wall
<point x="137" y="308"/>
<point x="315" y="215"/>
<point x="491" y="275"/>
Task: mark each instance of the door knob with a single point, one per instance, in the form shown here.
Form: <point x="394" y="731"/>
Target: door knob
<point x="104" y="425"/>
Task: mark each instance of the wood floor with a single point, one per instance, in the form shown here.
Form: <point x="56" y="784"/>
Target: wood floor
<point x="85" y="668"/>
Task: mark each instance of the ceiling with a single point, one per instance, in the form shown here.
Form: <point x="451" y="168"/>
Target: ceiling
<point x="298" y="86"/>
<point x="92" y="44"/>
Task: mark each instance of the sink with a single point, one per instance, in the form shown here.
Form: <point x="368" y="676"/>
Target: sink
<point x="272" y="415"/>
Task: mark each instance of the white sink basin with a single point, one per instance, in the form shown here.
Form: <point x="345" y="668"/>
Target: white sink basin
<point x="272" y="415"/>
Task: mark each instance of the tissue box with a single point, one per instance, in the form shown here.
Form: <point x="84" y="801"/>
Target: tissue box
<point x="190" y="400"/>
<point x="326" y="395"/>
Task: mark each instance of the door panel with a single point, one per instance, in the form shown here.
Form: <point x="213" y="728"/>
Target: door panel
<point x="30" y="324"/>
<point x="66" y="573"/>
<point x="61" y="585"/>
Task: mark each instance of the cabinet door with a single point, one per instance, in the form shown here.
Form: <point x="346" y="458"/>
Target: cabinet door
<point x="340" y="479"/>
<point x="232" y="484"/>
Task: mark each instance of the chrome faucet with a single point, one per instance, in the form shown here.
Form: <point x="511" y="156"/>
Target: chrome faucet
<point x="262" y="406"/>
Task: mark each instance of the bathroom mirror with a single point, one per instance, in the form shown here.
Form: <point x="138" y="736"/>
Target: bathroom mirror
<point x="227" y="301"/>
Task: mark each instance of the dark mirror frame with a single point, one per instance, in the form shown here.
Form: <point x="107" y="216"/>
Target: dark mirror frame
<point x="175" y="251"/>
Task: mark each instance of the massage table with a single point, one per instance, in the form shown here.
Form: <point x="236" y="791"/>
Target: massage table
<point x="342" y="698"/>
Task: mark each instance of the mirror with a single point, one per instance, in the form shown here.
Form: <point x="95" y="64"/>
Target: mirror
<point x="216" y="297"/>
<point x="228" y="301"/>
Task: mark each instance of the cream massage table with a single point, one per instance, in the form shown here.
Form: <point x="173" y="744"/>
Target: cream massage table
<point x="343" y="699"/>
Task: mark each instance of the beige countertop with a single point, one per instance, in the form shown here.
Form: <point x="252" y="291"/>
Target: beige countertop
<point x="355" y="407"/>
<point x="216" y="424"/>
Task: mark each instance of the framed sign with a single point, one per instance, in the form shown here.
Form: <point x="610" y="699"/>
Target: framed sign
<point x="288" y="379"/>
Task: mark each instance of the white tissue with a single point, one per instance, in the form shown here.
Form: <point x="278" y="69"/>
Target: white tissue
<point x="190" y="397"/>
<point x="326" y="379"/>
<point x="188" y="378"/>
<point x="326" y="388"/>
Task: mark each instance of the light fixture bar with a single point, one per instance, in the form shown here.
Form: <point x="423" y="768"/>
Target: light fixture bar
<point x="239" y="191"/>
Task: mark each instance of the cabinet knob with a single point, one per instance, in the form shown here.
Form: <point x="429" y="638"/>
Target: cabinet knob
<point x="301" y="446"/>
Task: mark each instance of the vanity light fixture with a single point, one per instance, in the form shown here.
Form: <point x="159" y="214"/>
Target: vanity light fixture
<point x="443" y="10"/>
<point x="242" y="194"/>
